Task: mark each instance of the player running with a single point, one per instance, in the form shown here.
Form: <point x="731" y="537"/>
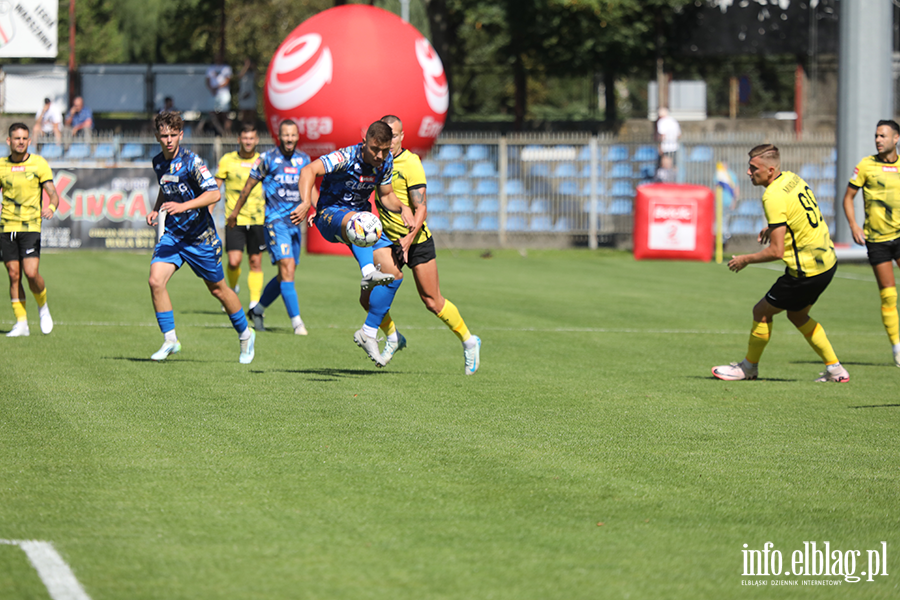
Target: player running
<point x="879" y="178"/>
<point x="234" y="169"/>
<point x="23" y="177"/>
<point x="349" y="177"/>
<point x="186" y="189"/>
<point x="798" y="235"/>
<point x="409" y="185"/>
<point x="279" y="171"/>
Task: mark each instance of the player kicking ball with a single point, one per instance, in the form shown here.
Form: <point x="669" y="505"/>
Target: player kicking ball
<point x="186" y="190"/>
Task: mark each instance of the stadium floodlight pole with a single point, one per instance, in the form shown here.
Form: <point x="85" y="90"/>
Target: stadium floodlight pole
<point x="865" y="89"/>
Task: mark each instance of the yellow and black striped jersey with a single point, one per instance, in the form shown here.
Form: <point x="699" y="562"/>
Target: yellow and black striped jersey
<point x="235" y="170"/>
<point x="22" y="185"/>
<point x="408" y="174"/>
<point x="808" y="249"/>
<point x="880" y="183"/>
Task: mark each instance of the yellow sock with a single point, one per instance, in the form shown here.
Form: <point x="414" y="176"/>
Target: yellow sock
<point x="41" y="298"/>
<point x="232" y="275"/>
<point x="815" y="335"/>
<point x="450" y="315"/>
<point x="759" y="337"/>
<point x="19" y="310"/>
<point x="255" y="285"/>
<point x="889" y="314"/>
<point x="387" y="324"/>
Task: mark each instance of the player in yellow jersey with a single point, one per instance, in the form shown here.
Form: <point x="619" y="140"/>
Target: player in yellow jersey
<point x="798" y="235"/>
<point x="234" y="169"/>
<point x="417" y="245"/>
<point x="879" y="177"/>
<point x="24" y="178"/>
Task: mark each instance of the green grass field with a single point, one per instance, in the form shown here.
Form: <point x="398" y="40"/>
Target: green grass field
<point x="593" y="455"/>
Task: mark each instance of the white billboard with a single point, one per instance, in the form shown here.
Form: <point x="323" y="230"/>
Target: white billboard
<point x="28" y="28"/>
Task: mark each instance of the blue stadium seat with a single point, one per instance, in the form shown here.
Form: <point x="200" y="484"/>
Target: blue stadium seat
<point x="585" y="172"/>
<point x="646" y="171"/>
<point x="617" y="153"/>
<point x="459" y="187"/>
<point x="437" y="204"/>
<point x="701" y="154"/>
<point x="541" y="223"/>
<point x="565" y="170"/>
<point x="828" y="171"/>
<point x="487" y="187"/>
<point x="78" y="151"/>
<point x="586" y="206"/>
<point x="568" y="188"/>
<point x="645" y="153"/>
<point x="539" y="205"/>
<point x="539" y="170"/>
<point x="463" y="223"/>
<point x="483" y="169"/>
<point x="431" y="168"/>
<point x="477" y="152"/>
<point x="516" y="223"/>
<point x="449" y="152"/>
<point x="833" y="156"/>
<point x="825" y="190"/>
<point x="809" y="172"/>
<point x="132" y="151"/>
<point x="749" y="208"/>
<point x="622" y="188"/>
<point x="621" y="171"/>
<point x="826" y="207"/>
<point x="104" y="151"/>
<point x="488" y="205"/>
<point x="51" y="151"/>
<point x="586" y="189"/>
<point x="514" y="186"/>
<point x="453" y="169"/>
<point x="438" y="222"/>
<point x="620" y="207"/>
<point x="743" y="226"/>
<point x="435" y="186"/>
<point x="488" y="223"/>
<point x="517" y="205"/>
<point x="463" y="205"/>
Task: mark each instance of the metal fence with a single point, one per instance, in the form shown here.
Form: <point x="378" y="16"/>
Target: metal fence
<point x="539" y="190"/>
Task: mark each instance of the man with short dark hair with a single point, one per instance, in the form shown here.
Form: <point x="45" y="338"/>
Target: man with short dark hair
<point x="186" y="189"/>
<point x="24" y="178"/>
<point x="879" y="177"/>
<point x="798" y="235"/>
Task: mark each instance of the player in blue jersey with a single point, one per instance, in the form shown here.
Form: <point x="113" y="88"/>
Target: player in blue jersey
<point x="279" y="172"/>
<point x="349" y="176"/>
<point x="186" y="189"/>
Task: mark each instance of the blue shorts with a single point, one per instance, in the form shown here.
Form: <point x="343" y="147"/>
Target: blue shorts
<point x="204" y="257"/>
<point x="328" y="222"/>
<point x="284" y="240"/>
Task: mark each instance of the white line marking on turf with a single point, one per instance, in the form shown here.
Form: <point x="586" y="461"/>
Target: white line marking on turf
<point x="52" y="569"/>
<point x="838" y="275"/>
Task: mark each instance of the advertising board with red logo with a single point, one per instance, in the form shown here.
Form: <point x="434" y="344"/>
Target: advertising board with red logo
<point x="673" y="221"/>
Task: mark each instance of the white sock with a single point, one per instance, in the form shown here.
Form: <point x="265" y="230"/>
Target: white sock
<point x="393" y="337"/>
<point x="367" y="269"/>
<point x="170" y="336"/>
<point x="470" y="343"/>
<point x="895" y="348"/>
<point x="369" y="331"/>
<point x="296" y="322"/>
<point x="245" y="335"/>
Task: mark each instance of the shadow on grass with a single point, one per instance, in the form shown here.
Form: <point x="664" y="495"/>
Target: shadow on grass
<point x="150" y="360"/>
<point x="202" y="312"/>
<point x="325" y="375"/>
<point x="877" y="406"/>
<point x="843" y="362"/>
<point x="711" y="378"/>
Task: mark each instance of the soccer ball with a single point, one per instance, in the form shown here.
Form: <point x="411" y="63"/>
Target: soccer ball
<point x="363" y="229"/>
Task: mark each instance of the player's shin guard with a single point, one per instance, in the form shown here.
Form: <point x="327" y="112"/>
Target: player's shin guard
<point x="272" y="291"/>
<point x="364" y="256"/>
<point x="451" y="317"/>
<point x="889" y="314"/>
<point x="239" y="321"/>
<point x="255" y="285"/>
<point x="815" y="335"/>
<point x="232" y="275"/>
<point x="289" y="295"/>
<point x="759" y="337"/>
<point x="380" y="302"/>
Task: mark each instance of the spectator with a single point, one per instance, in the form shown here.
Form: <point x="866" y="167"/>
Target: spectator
<point x="81" y="118"/>
<point x="667" y="132"/>
<point x="47" y="120"/>
<point x="665" y="173"/>
<point x="247" y="92"/>
<point x="168" y="105"/>
<point x="218" y="80"/>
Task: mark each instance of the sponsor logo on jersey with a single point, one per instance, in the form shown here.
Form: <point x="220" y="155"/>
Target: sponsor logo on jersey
<point x="169" y="179"/>
<point x="889" y="169"/>
<point x="301" y="67"/>
<point x="367" y="179"/>
<point x="291" y="170"/>
<point x="247" y="165"/>
<point x="17" y="169"/>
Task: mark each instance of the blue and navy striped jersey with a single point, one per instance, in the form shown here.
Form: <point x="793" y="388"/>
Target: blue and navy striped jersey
<point x="279" y="176"/>
<point x="182" y="179"/>
<point x="349" y="181"/>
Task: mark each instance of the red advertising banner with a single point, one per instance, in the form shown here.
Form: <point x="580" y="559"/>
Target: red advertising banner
<point x="673" y="221"/>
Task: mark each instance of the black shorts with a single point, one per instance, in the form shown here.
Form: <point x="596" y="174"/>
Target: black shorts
<point x="253" y="237"/>
<point x="418" y="254"/>
<point x="881" y="252"/>
<point x="17" y="245"/>
<point x="795" y="293"/>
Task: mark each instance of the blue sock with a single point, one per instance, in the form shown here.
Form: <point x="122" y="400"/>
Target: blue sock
<point x="364" y="256"/>
<point x="239" y="321"/>
<point x="289" y="295"/>
<point x="380" y="299"/>
<point x="271" y="292"/>
<point x="166" y="320"/>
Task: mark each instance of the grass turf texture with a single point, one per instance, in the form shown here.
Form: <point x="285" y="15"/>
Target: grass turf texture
<point x="312" y="474"/>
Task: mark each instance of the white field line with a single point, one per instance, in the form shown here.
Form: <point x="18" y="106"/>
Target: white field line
<point x="52" y="569"/>
<point x="838" y="275"/>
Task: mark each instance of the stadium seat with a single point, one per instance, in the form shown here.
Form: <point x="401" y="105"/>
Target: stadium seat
<point x="516" y="223"/>
<point x="565" y="170"/>
<point x="586" y="189"/>
<point x="585" y="172"/>
<point x="617" y="153"/>
<point x="517" y="205"/>
<point x="646" y="171"/>
<point x="488" y="223"/>
<point x="477" y="152"/>
<point x="483" y="169"/>
<point x="622" y="188"/>
<point x="585" y="153"/>
<point x="645" y="153"/>
<point x="431" y="168"/>
<point x="453" y="169"/>
<point x="487" y="187"/>
<point x="539" y="170"/>
<point x="586" y="206"/>
<point x="463" y="223"/>
<point x="833" y="156"/>
<point x="437" y="204"/>
<point x="743" y="226"/>
<point x="620" y="207"/>
<point x="459" y="187"/>
<point x="514" y="186"/>
<point x="568" y="188"/>
<point x="701" y="154"/>
<point x="463" y="205"/>
<point x="828" y="171"/>
<point x="449" y="152"/>
<point x="541" y="223"/>
<point x="132" y="152"/>
<point x="435" y="186"/>
<point x="825" y="190"/>
<point x="826" y="207"/>
<point x="539" y="205"/>
<point x="488" y="205"/>
<point x="809" y="172"/>
<point x="438" y="222"/>
<point x="748" y="208"/>
<point x="104" y="151"/>
<point x="50" y="151"/>
<point x="621" y="171"/>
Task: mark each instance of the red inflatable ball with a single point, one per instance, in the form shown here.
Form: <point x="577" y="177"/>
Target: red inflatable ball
<point x="348" y="66"/>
